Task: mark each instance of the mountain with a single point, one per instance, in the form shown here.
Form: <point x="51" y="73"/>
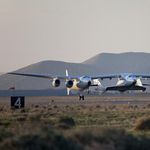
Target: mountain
<point x="130" y="62"/>
<point x="104" y="63"/>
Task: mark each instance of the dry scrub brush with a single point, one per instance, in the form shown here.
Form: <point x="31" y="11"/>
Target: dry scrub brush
<point x="143" y="124"/>
<point x="108" y="138"/>
<point x="82" y="123"/>
<point x="44" y="139"/>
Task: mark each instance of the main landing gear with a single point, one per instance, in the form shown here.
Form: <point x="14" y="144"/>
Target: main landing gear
<point x="81" y="97"/>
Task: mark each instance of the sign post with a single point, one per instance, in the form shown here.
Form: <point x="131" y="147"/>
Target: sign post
<point x="17" y="101"/>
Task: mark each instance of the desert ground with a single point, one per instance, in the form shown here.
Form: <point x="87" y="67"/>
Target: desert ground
<point x="64" y="123"/>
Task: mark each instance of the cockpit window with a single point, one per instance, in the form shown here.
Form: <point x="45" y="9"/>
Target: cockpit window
<point x="86" y="77"/>
<point x="132" y="76"/>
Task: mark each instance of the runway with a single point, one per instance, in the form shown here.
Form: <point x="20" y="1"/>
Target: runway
<point x="89" y="102"/>
<point x="137" y="99"/>
<point x="82" y="102"/>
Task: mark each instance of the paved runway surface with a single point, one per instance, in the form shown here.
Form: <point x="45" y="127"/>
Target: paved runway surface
<point x="136" y="99"/>
<point x="89" y="102"/>
<point x="82" y="102"/>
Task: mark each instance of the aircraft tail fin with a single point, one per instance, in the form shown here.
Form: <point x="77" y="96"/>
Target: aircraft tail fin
<point x="100" y="87"/>
<point x="66" y="72"/>
<point x="139" y="83"/>
<point x="68" y="90"/>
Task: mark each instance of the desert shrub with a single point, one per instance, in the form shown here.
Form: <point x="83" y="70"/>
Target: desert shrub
<point x="135" y="107"/>
<point x="12" y="108"/>
<point x="5" y="124"/>
<point x="133" y="116"/>
<point x="63" y="126"/>
<point x="90" y="108"/>
<point x="44" y="107"/>
<point x="44" y="140"/>
<point x="100" y="135"/>
<point x="112" y="106"/>
<point x="5" y="134"/>
<point x="128" y="106"/>
<point x="83" y="136"/>
<point x="34" y="118"/>
<point x="21" y="119"/>
<point x="41" y="111"/>
<point x="36" y="106"/>
<point x="54" y="106"/>
<point x="66" y="120"/>
<point x="99" y="122"/>
<point x="97" y="106"/>
<point x="49" y="108"/>
<point x="113" y="138"/>
<point x="143" y="123"/>
<point x="1" y="108"/>
<point x="147" y="105"/>
<point x="23" y="110"/>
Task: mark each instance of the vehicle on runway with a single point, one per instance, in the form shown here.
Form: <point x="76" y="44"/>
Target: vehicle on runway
<point x="125" y="82"/>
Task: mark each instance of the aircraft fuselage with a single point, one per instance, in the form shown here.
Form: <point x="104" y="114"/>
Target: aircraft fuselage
<point x="127" y="82"/>
<point x="81" y="84"/>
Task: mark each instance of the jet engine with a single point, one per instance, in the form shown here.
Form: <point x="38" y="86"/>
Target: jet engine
<point x="56" y="83"/>
<point x="69" y="83"/>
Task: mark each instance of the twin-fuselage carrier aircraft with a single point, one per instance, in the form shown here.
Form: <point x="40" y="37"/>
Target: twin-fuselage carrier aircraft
<point x="125" y="82"/>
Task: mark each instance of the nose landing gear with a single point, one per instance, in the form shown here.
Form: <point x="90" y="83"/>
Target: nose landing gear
<point x="81" y="97"/>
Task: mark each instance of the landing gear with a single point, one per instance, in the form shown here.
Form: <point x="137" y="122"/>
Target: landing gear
<point x="81" y="97"/>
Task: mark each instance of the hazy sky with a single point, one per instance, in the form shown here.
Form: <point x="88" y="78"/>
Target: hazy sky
<point x="70" y="30"/>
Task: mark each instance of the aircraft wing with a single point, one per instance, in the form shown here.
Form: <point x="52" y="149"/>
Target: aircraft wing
<point x="124" y="88"/>
<point x="146" y="84"/>
<point x="142" y="75"/>
<point x="44" y="75"/>
<point x="106" y="76"/>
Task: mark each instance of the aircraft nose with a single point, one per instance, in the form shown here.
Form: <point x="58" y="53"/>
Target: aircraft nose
<point x="89" y="83"/>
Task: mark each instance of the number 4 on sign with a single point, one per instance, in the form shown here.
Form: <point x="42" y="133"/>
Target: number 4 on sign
<point x="18" y="102"/>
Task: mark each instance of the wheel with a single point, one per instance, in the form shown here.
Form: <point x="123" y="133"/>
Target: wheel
<point x="79" y="98"/>
<point x="82" y="98"/>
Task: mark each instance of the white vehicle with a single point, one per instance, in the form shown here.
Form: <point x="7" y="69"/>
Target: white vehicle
<point x="125" y="81"/>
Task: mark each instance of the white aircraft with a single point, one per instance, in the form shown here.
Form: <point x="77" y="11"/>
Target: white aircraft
<point x="125" y="81"/>
<point x="72" y="82"/>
